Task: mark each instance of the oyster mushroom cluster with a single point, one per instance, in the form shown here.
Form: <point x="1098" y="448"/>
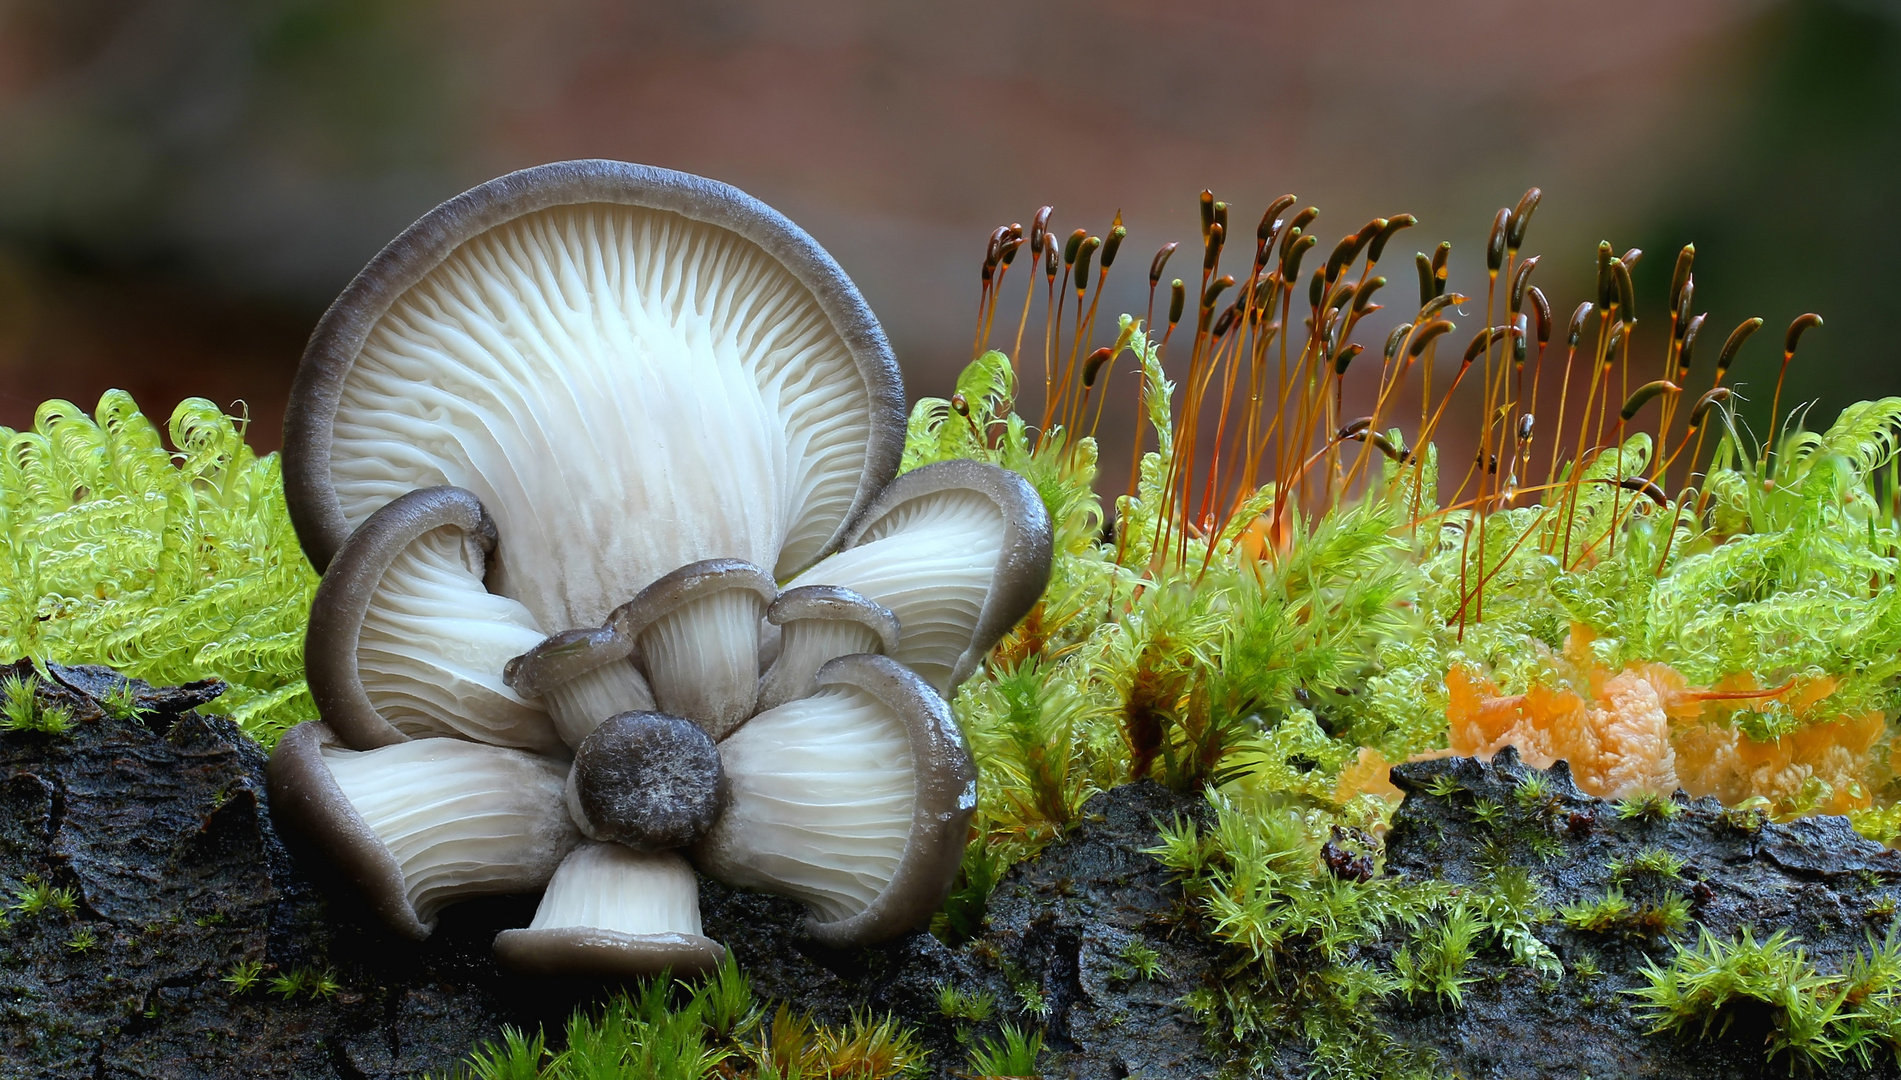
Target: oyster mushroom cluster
<point x="597" y="461"/>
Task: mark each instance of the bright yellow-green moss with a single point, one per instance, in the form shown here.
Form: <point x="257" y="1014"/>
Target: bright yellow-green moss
<point x="167" y="564"/>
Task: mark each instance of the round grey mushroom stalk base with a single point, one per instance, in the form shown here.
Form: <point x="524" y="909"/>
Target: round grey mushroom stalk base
<point x="647" y="780"/>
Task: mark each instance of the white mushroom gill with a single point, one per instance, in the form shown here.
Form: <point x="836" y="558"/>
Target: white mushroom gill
<point x="580" y="704"/>
<point x="804" y="647"/>
<point x="626" y="390"/>
<point x="610" y="887"/>
<point x="461" y="819"/>
<point x="821" y="792"/>
<point x="432" y="646"/>
<point x="702" y="658"/>
<point x="931" y="561"/>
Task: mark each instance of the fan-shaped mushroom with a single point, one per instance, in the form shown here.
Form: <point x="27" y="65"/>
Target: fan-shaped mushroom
<point x="404" y="641"/>
<point x="587" y="416"/>
<point x="856" y="800"/>
<point x="614" y="911"/>
<point x="632" y="369"/>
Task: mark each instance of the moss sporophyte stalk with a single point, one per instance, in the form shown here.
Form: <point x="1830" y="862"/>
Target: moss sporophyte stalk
<point x="1283" y="602"/>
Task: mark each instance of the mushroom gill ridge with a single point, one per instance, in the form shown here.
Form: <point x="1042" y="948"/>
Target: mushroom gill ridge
<point x="555" y="450"/>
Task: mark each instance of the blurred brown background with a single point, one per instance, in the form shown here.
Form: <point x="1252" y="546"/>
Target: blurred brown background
<point x="184" y="184"/>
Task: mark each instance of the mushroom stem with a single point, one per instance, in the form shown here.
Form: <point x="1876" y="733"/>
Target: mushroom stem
<point x="581" y="704"/>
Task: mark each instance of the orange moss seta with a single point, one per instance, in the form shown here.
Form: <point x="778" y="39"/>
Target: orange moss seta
<point x="1644" y="730"/>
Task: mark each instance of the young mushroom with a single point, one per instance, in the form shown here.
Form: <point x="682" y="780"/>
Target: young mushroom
<point x="817" y="623"/>
<point x="613" y="911"/>
<point x="418" y="825"/>
<point x="697" y="630"/>
<point x="585" y="676"/>
<point x="554" y="449"/>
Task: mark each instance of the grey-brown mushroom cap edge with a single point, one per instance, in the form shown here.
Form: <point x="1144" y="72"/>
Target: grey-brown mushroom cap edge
<point x="945" y="799"/>
<point x="304" y="795"/>
<point x="315" y="510"/>
<point x="343" y="600"/>
<point x="835" y="602"/>
<point x="686" y="584"/>
<point x="585" y="950"/>
<point x="1023" y="566"/>
<point x="562" y="657"/>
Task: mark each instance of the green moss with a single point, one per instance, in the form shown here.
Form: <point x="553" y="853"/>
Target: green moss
<point x="957" y="1004"/>
<point x="1013" y="1052"/>
<point x="169" y="565"/>
<point x="714" y="1027"/>
<point x="1647" y="807"/>
<point x="1815" y="1019"/>
<point x="21" y="709"/>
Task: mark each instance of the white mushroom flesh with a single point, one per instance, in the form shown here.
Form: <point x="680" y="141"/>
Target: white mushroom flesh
<point x="804" y="646"/>
<point x="460" y="819"/>
<point x="821" y="794"/>
<point x="702" y="658"/>
<point x="582" y="368"/>
<point x="610" y="887"/>
<point x="583" y="702"/>
<point x="433" y="644"/>
<point x="931" y="561"/>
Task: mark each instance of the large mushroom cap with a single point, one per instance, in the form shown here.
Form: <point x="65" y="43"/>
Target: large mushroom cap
<point x="632" y="369"/>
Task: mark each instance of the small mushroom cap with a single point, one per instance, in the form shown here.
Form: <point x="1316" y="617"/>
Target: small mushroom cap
<point x="565" y="656"/>
<point x="837" y="603"/>
<point x="611" y="911"/>
<point x="697" y="632"/>
<point x="305" y="796"/>
<point x="610" y="954"/>
<point x="647" y="780"/>
<point x="345" y="597"/>
<point x="925" y="549"/>
<point x="685" y="585"/>
<point x="820" y="623"/>
<point x="595" y="336"/>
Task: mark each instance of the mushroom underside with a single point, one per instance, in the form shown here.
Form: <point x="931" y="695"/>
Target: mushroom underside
<point x="418" y="825"/>
<point x="594" y="355"/>
<point x="432" y="646"/>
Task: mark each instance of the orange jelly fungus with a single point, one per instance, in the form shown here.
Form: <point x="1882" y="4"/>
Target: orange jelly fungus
<point x="1369" y="774"/>
<point x="1644" y="730"/>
